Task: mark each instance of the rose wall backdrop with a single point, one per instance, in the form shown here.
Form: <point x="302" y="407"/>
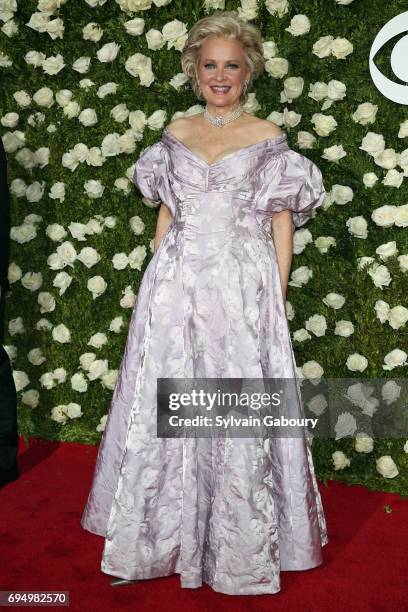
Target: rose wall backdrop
<point x="86" y="86"/>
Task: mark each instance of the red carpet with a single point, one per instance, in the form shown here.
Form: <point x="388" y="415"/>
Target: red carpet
<point x="43" y="547"/>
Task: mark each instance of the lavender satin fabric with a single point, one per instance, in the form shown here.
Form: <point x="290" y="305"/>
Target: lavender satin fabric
<point x="228" y="512"/>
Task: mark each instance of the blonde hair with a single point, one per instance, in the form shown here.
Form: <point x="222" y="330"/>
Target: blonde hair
<point x="228" y="25"/>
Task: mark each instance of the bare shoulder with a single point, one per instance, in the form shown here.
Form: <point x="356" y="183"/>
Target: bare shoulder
<point x="181" y="126"/>
<point x="263" y="128"/>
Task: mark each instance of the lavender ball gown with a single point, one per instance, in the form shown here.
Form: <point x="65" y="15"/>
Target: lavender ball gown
<point x="227" y="512"/>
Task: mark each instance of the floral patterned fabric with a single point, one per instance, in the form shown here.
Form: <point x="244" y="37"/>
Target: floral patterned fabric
<point x="229" y="512"/>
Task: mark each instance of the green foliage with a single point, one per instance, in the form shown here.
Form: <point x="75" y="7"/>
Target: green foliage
<point x="335" y="271"/>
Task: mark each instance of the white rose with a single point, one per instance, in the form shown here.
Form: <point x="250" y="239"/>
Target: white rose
<point x="334" y="300"/>
<point x="93" y="227"/>
<point x="363" y="443"/>
<point x="312" y="369"/>
<point x="336" y="90"/>
<point x="373" y="144"/>
<point x="380" y="275"/>
<point x="137" y="121"/>
<point x="46" y="302"/>
<point x="43" y="325"/>
<point x="111" y="145"/>
<point x="55" y="232"/>
<point x="78" y="231"/>
<point x="16" y="326"/>
<point x="316" y="324"/>
<point x="61" y="334"/>
<point x="98" y="340"/>
<point x="370" y="179"/>
<point x="79" y="383"/>
<point x="356" y="362"/>
<point x="86" y="359"/>
<point x="97" y="286"/>
<point x="44" y="97"/>
<point x="89" y="256"/>
<point x="22" y="98"/>
<point x="341" y="194"/>
<point x="323" y="46"/>
<point x="155" y="39"/>
<point x="401" y="215"/>
<point x="32" y="281"/>
<point x="324" y="124"/>
<point x="129" y="298"/>
<point x="93" y="189"/>
<point x="357" y="226"/>
<point x="31" y="398"/>
<point x="73" y="410"/>
<point x="97" y="369"/>
<point x="341" y="48"/>
<point x="55" y="261"/>
<point x="67" y="253"/>
<point x="292" y="88"/>
<point x="14" y="272"/>
<point x="403" y="262"/>
<point x="92" y="31"/>
<point x="42" y="158"/>
<point x="388" y="249"/>
<point x="88" y="117"/>
<point x="317" y="404"/>
<point x="137" y="225"/>
<point x="106" y="89"/>
<point x="395" y="359"/>
<point x="58" y="414"/>
<point x="120" y="112"/>
<point x="108" y="52"/>
<point x="23" y="233"/>
<point x="382" y="309"/>
<point x="393" y="178"/>
<point x="334" y="153"/>
<point x="386" y="159"/>
<point x="108" y="380"/>
<point x="47" y="381"/>
<point x="398" y="316"/>
<point x="269" y="49"/>
<point x="35" y="191"/>
<point x="301" y="335"/>
<point x="157" y="119"/>
<point x="365" y="113"/>
<point x="62" y="281"/>
<point x="53" y="64"/>
<point x="300" y="276"/>
<point x="60" y="375"/>
<point x="137" y="257"/>
<point x="345" y="425"/>
<point x="18" y="188"/>
<point x="72" y="109"/>
<point x="277" y="67"/>
<point x="317" y="91"/>
<point x="82" y="64"/>
<point x="390" y="392"/>
<point x="299" y="25"/>
<point x="21" y="379"/>
<point x="102" y="423"/>
<point x="64" y="97"/>
<point x="305" y="140"/>
<point x="36" y="357"/>
<point x="57" y="191"/>
<point x="10" y="120"/>
<point x="116" y="325"/>
<point x="323" y="243"/>
<point x="11" y="351"/>
<point x="344" y="328"/>
<point x="386" y="467"/>
<point x="134" y="27"/>
<point x="123" y="184"/>
<point x="120" y="261"/>
<point x="384" y="216"/>
<point x="340" y="460"/>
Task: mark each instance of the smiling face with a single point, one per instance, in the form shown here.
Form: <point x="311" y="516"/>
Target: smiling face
<point x="221" y="72"/>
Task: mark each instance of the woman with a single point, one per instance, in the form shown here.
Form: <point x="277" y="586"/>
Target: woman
<point x="228" y="512"/>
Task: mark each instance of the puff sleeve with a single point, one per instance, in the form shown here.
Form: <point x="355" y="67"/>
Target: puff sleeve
<point x="151" y="176"/>
<point x="289" y="181"/>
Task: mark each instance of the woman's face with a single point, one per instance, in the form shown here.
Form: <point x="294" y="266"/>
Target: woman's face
<point x="221" y="71"/>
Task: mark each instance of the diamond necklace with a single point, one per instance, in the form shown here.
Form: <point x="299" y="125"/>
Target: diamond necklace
<point x="219" y="120"/>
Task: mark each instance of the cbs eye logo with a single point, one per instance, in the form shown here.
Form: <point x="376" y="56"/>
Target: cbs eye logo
<point x="399" y="64"/>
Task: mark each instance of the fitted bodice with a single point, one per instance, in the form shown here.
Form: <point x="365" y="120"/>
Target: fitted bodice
<point x="255" y="181"/>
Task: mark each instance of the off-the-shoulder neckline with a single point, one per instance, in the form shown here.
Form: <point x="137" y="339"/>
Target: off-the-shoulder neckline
<point x="261" y="143"/>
